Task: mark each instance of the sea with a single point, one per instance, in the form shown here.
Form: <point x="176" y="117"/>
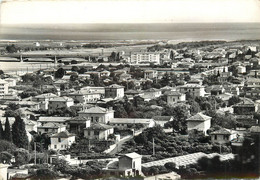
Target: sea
<point x="113" y="32"/>
<point x="169" y="32"/>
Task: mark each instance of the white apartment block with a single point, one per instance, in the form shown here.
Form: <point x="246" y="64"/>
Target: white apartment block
<point x="145" y="57"/>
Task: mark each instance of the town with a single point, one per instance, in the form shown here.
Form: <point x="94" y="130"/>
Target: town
<point x="145" y="111"/>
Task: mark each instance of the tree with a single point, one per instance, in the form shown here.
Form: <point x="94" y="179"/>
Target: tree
<point x="19" y="134"/>
<point x="7" y="132"/>
<point x="7" y="146"/>
<point x="11" y="48"/>
<point x="171" y="55"/>
<point x="5" y="157"/>
<point x="1" y="131"/>
<point x="59" y="73"/>
<point x="233" y="100"/>
<point x="22" y="156"/>
<point x="45" y="173"/>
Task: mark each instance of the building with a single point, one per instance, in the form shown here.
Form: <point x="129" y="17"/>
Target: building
<point x="114" y="91"/>
<point x="246" y="107"/>
<point x="194" y="90"/>
<point x="84" y="96"/>
<point x="60" y="103"/>
<point x="150" y="74"/>
<point x="77" y="124"/>
<point x="123" y="123"/>
<point x="52" y="119"/>
<point x="175" y="97"/>
<point x="97" y="114"/>
<point x="50" y="128"/>
<point x="62" y="140"/>
<point x="11" y="81"/>
<point x="98" y="131"/>
<point x="151" y="93"/>
<point x="223" y="136"/>
<point x="44" y="99"/>
<point x="199" y="122"/>
<point x="3" y="171"/>
<point x="3" y="87"/>
<point x="127" y="165"/>
<point x="145" y="57"/>
<point x="162" y="120"/>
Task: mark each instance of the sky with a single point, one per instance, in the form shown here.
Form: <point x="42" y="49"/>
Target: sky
<point x="128" y="11"/>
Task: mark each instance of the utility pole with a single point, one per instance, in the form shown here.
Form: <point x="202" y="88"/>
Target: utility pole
<point x="35" y="153"/>
<point x="153" y="147"/>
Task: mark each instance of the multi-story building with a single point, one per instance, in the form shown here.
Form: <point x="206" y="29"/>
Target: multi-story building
<point x="97" y="114"/>
<point x="114" y="91"/>
<point x="84" y="96"/>
<point x="194" y="90"/>
<point x="98" y="131"/>
<point x="62" y="141"/>
<point x="59" y="103"/>
<point x="145" y="57"/>
<point x="174" y="97"/>
<point x="44" y="99"/>
<point x="199" y="122"/>
<point x="150" y="74"/>
<point x="3" y="88"/>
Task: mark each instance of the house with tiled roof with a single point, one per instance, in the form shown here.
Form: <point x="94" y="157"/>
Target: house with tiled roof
<point x="50" y="128"/>
<point x="223" y="136"/>
<point x="114" y="91"/>
<point x="151" y="93"/>
<point x="44" y="99"/>
<point x="199" y="122"/>
<point x="98" y="131"/>
<point x="161" y="120"/>
<point x="84" y="96"/>
<point x="97" y="114"/>
<point x="174" y="97"/>
<point x="60" y="103"/>
<point x="123" y="123"/>
<point x="77" y="124"/>
<point x="246" y="107"/>
<point x="62" y="140"/>
<point x="194" y="90"/>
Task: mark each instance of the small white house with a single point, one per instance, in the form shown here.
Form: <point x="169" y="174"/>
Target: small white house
<point x="199" y="122"/>
<point x="62" y="140"/>
<point x="174" y="97"/>
<point x="223" y="136"/>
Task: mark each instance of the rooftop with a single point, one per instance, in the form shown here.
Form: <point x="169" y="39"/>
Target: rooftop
<point x="199" y="117"/>
<point x="99" y="126"/>
<point x="96" y="110"/>
<point x="132" y="155"/>
<point x="63" y="134"/>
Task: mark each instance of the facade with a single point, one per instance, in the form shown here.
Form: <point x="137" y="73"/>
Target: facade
<point x="246" y="107"/>
<point x="98" y="131"/>
<point x="52" y="119"/>
<point x="84" y="97"/>
<point x="199" y="122"/>
<point x="162" y="120"/>
<point x="145" y="57"/>
<point x="114" y="91"/>
<point x="77" y="124"/>
<point x="44" y="99"/>
<point x="3" y="87"/>
<point x="194" y="90"/>
<point x="174" y="97"/>
<point x="50" y="128"/>
<point x="223" y="136"/>
<point x="151" y="93"/>
<point x="62" y="140"/>
<point x="150" y="74"/>
<point x="3" y="171"/>
<point x="123" y="123"/>
<point x="130" y="164"/>
<point x="97" y="114"/>
<point x="60" y="103"/>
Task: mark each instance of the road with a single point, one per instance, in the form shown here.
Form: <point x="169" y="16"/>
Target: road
<point x="118" y="148"/>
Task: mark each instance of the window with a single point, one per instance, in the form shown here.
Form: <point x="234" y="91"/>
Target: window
<point x="88" y="133"/>
<point x="61" y="146"/>
<point x="55" y="146"/>
<point x="216" y="137"/>
<point x="96" y="133"/>
<point x="59" y="139"/>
